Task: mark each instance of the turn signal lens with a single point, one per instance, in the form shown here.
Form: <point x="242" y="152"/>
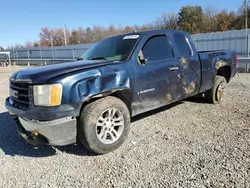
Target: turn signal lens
<point x="55" y="94"/>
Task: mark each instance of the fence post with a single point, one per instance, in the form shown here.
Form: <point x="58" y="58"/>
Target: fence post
<point x="41" y="55"/>
<point x="248" y="45"/>
<point x="9" y="59"/>
<point x="13" y="53"/>
<point x="73" y="52"/>
<point x="52" y="51"/>
<point x="55" y="53"/>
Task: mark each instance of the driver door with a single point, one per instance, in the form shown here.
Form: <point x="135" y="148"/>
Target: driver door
<point x="156" y="80"/>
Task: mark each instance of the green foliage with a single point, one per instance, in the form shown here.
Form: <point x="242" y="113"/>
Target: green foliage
<point x="190" y="19"/>
<point x="225" y="21"/>
<point x="74" y="37"/>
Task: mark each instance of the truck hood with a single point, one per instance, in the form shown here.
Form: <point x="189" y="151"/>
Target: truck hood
<point x="40" y="75"/>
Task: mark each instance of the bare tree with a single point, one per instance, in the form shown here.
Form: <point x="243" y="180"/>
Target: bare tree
<point x="98" y="33"/>
<point x="28" y="44"/>
<point x="172" y="21"/>
<point x="111" y="30"/>
<point x="55" y="36"/>
<point x="210" y="20"/>
<point x="18" y="46"/>
<point x="82" y="35"/>
<point x="128" y="29"/>
<point x="36" y="44"/>
<point x="45" y="36"/>
<point x="167" y="21"/>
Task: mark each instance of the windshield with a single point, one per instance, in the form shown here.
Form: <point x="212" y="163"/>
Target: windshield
<point x="116" y="48"/>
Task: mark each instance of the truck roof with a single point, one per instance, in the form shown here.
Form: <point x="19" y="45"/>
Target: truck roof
<point x="153" y="31"/>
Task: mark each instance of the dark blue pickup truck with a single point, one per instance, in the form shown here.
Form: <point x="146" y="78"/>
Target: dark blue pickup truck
<point x="92" y="100"/>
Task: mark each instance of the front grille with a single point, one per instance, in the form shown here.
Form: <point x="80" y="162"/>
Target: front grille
<point x="23" y="95"/>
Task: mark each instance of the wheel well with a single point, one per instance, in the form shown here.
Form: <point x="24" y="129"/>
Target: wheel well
<point x="123" y="95"/>
<point x="225" y="72"/>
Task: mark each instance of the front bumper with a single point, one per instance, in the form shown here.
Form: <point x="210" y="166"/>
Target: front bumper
<point x="58" y="132"/>
<point x="40" y="125"/>
<point x="44" y="113"/>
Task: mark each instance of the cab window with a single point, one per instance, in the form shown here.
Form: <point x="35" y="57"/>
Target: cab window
<point x="157" y="48"/>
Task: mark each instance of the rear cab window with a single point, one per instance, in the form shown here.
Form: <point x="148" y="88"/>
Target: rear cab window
<point x="157" y="48"/>
<point x="182" y="45"/>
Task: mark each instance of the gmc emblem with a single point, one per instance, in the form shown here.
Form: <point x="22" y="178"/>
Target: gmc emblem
<point x="13" y="93"/>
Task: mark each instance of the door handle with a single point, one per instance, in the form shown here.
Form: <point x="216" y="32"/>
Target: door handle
<point x="174" y="68"/>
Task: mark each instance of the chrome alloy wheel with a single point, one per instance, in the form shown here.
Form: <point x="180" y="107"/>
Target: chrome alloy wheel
<point x="109" y="126"/>
<point x="220" y="91"/>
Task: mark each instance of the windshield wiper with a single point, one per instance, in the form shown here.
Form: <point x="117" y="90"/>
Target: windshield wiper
<point x="80" y="58"/>
<point x="97" y="58"/>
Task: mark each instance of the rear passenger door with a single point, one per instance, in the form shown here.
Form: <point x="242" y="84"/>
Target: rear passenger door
<point x="155" y="82"/>
<point x="190" y="70"/>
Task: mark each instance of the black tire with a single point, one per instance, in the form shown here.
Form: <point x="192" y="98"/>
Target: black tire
<point x="212" y="94"/>
<point x="88" y="119"/>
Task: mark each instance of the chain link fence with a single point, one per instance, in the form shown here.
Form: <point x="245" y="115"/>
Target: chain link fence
<point x="45" y="53"/>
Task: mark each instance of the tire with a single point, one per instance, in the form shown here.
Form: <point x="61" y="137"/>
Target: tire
<point x="99" y="112"/>
<point x="215" y="95"/>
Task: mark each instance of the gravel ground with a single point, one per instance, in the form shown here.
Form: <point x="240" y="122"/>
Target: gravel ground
<point x="188" y="144"/>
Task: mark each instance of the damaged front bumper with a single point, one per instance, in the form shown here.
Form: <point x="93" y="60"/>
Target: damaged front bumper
<point x="58" y="132"/>
<point x="44" y="125"/>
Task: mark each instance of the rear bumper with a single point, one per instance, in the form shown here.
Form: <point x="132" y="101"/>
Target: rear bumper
<point x="58" y="132"/>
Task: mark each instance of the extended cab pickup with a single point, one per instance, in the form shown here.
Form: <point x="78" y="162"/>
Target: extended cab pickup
<point x="93" y="99"/>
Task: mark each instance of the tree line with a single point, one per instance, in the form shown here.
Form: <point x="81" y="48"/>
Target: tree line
<point x="193" y="19"/>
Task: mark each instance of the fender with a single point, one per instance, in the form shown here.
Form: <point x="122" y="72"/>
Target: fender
<point x="222" y="66"/>
<point x="83" y="86"/>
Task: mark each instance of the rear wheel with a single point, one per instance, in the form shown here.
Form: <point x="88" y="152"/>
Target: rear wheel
<point x="104" y="125"/>
<point x="216" y="94"/>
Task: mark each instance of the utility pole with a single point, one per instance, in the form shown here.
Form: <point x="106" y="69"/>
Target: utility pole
<point x="14" y="55"/>
<point x="246" y="26"/>
<point x="52" y="46"/>
<point x="65" y="37"/>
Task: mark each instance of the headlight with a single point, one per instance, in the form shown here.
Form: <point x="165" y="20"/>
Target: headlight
<point x="47" y="95"/>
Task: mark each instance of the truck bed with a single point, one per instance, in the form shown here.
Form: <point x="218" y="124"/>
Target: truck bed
<point x="213" y="60"/>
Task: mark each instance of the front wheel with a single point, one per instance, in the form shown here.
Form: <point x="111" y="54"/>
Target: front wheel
<point x="104" y="125"/>
<point x="216" y="94"/>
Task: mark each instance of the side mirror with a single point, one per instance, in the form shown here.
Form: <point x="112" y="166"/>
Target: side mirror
<point x="79" y="58"/>
<point x="141" y="58"/>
